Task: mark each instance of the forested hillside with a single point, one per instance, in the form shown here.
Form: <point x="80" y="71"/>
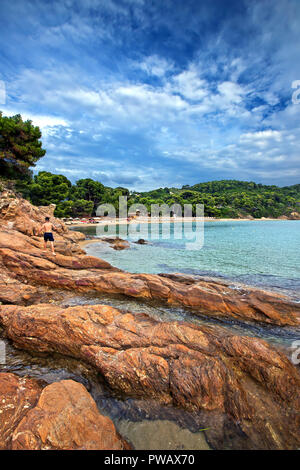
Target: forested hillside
<point x="227" y="198"/>
<point x="231" y="198"/>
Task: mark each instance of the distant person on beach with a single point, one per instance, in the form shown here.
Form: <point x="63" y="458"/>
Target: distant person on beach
<point x="47" y="228"/>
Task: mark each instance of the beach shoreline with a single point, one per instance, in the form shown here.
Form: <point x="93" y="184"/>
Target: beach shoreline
<point x="114" y="222"/>
<point x="83" y="243"/>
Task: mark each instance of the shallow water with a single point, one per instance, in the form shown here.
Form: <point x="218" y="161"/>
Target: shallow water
<point x="259" y="253"/>
<point x="165" y="435"/>
<point x="280" y="337"/>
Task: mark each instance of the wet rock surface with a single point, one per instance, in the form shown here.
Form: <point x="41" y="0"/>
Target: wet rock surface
<point x="141" y="241"/>
<point x="62" y="415"/>
<point x="116" y="243"/>
<point x="241" y="384"/>
<point x="23" y="262"/>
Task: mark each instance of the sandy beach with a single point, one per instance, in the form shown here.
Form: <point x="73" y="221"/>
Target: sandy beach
<point x="142" y="220"/>
<point x="83" y="243"/>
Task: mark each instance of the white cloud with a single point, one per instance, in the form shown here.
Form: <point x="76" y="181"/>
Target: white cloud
<point x="46" y="121"/>
<point x="189" y="85"/>
<point x="186" y="119"/>
<point x="88" y="98"/>
<point x="261" y="136"/>
<point x="155" y="65"/>
<point x="231" y="92"/>
<point x="42" y="121"/>
<point x="199" y="113"/>
<point x="147" y="96"/>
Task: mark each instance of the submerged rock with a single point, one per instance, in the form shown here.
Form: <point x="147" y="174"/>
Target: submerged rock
<point x="246" y="392"/>
<point x="117" y="243"/>
<point x="62" y="416"/>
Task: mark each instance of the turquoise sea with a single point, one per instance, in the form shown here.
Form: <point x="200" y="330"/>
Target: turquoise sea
<point x="261" y="253"/>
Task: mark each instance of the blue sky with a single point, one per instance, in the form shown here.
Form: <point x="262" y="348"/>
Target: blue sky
<point x="144" y="94"/>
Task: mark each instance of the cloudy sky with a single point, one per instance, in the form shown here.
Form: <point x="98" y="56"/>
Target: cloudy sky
<point x="150" y="93"/>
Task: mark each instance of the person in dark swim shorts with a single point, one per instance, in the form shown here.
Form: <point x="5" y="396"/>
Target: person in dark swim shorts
<point x="47" y="228"/>
<point x="48" y="237"/>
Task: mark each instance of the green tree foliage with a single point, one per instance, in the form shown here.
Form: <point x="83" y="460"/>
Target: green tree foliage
<point x="78" y="200"/>
<point x="82" y="208"/>
<point x="95" y="192"/>
<point x="228" y="198"/>
<point x="48" y="188"/>
<point x="20" y="146"/>
<point x="89" y="190"/>
<point x="77" y="208"/>
<point x="65" y="209"/>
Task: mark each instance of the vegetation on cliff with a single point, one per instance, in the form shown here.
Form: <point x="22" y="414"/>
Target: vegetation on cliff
<point x="21" y="148"/>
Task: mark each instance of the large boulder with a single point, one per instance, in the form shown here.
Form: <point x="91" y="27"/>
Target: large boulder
<point x="246" y="391"/>
<point x="62" y="416"/>
<point x="66" y="418"/>
<point x="21" y="216"/>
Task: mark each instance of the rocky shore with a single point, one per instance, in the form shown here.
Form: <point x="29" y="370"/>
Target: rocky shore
<point x="246" y="391"/>
<point x="198" y="368"/>
<point x="60" y="416"/>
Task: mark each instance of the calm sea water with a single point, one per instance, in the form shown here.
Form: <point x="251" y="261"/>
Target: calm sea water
<point x="263" y="253"/>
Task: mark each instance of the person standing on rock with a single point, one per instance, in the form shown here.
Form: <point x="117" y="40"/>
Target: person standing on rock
<point x="47" y="228"/>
